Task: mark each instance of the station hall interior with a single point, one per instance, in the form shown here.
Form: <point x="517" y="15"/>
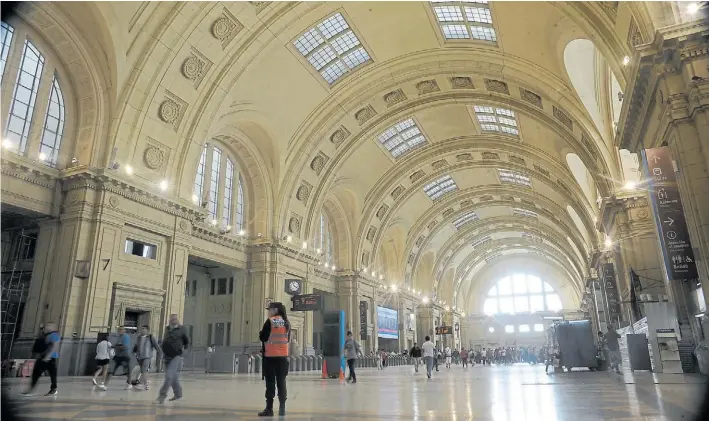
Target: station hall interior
<point x="513" y="175"/>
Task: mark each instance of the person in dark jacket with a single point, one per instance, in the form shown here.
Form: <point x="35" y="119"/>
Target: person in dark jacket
<point x="175" y="342"/>
<point x="416" y="355"/>
<point x="275" y="337"/>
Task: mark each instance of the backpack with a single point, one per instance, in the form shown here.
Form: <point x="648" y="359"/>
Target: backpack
<point x="40" y="345"/>
<point x="172" y="345"/>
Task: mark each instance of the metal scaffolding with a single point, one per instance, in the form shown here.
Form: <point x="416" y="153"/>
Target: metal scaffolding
<point x="17" y="264"/>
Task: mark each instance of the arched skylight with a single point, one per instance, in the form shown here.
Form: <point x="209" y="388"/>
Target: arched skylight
<point x="521" y="293"/>
<point x="582" y="176"/>
<point x="580" y="60"/>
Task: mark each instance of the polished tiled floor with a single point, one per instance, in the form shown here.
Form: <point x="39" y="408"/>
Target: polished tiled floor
<point x="515" y="393"/>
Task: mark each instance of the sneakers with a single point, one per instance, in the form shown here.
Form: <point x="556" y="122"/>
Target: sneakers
<point x="161" y="400"/>
<point x="94" y="381"/>
<point x="52" y="392"/>
<point x="174" y="398"/>
<point x="102" y="387"/>
<point x="27" y="393"/>
<point x="129" y="387"/>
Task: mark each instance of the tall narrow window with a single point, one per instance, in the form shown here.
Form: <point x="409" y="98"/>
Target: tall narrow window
<point x="24" y="97"/>
<point x="322" y="232"/>
<point x="199" y="178"/>
<point x="6" y="33"/>
<point x="240" y="207"/>
<point x="53" y="126"/>
<point x="328" y="249"/>
<point x="214" y="183"/>
<point x="228" y="193"/>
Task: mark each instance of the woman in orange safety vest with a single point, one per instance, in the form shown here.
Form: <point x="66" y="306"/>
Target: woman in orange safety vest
<point x="275" y="337"/>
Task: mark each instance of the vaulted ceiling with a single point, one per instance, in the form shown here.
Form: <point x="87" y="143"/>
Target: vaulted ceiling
<point x="174" y="75"/>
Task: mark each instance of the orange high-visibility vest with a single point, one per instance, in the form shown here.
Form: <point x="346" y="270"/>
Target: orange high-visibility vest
<point x="277" y="344"/>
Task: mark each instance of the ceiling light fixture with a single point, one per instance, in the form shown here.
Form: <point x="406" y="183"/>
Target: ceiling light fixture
<point x="129" y="170"/>
<point x="288" y="239"/>
<point x="7" y="144"/>
<point x="631" y="185"/>
<point x="693" y="8"/>
<point x="626" y="60"/>
<point x="242" y="233"/>
<point x="394" y="287"/>
<point x="305" y="244"/>
<point x="424" y="300"/>
<point x="195" y="199"/>
<point x="163" y="185"/>
<point x="42" y="156"/>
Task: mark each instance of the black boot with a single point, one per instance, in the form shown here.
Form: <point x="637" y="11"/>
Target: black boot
<point x="268" y="411"/>
<point x="281" y="406"/>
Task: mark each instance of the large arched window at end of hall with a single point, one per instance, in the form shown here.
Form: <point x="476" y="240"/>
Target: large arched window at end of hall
<point x="323" y="239"/>
<point x="218" y="186"/>
<point x="35" y="119"/>
<point x="521" y="293"/>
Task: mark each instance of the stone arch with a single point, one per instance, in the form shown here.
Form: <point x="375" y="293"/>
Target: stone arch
<point x="583" y="177"/>
<point x="341" y="234"/>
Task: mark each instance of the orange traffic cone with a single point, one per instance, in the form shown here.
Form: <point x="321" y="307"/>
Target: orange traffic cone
<point x="324" y="369"/>
<point x="342" y="375"/>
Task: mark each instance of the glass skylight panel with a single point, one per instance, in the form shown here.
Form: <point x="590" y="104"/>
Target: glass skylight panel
<point x="402" y="137"/>
<point x="496" y="119"/>
<point x="481" y="241"/>
<point x="24" y="97"/>
<point x="483" y="33"/>
<point x="332" y="48"/>
<point x="460" y="21"/>
<point x="478" y="14"/>
<point x="438" y="188"/>
<point x="524" y="212"/>
<point x="514" y="177"/>
<point x="462" y="220"/>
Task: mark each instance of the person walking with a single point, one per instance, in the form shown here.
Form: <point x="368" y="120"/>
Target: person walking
<point x="611" y="339"/>
<point x="174" y="344"/>
<point x="380" y="360"/>
<point x="122" y="357"/>
<point x="416" y="355"/>
<point x="449" y="356"/>
<point x="144" y="350"/>
<point x="464" y="357"/>
<point x="208" y="358"/>
<point x="275" y="336"/>
<point x="47" y="349"/>
<point x="352" y="351"/>
<point x="429" y="354"/>
<point x="103" y="359"/>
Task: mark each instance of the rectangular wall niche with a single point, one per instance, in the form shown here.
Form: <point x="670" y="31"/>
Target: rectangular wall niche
<point x="140" y="249"/>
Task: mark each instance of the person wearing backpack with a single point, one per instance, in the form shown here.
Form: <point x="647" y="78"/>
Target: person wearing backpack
<point x="175" y="342"/>
<point x="47" y="347"/>
<point x="144" y="351"/>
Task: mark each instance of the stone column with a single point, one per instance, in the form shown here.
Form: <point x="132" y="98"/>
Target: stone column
<point x="42" y="275"/>
<point x="260" y="285"/>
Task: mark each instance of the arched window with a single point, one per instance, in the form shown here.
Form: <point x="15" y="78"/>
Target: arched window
<point x="37" y="97"/>
<point x="215" y="182"/>
<point x="521" y="293"/>
<point x="323" y="239"/>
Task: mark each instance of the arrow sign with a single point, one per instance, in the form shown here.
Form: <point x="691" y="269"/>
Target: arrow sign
<point x="669" y="221"/>
<point x="655" y="159"/>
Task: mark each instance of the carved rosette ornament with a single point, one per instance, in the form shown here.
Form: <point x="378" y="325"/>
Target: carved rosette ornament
<point x="226" y="27"/>
<point x="397" y="192"/>
<point x="113" y="201"/>
<point x="172" y="109"/>
<point x="318" y="163"/>
<point x="427" y="87"/>
<point x="417" y="175"/>
<point x="339" y="136"/>
<point x="382" y="211"/>
<point x="195" y="67"/>
<point x="531" y="97"/>
<point x="371" y="233"/>
<point x="153" y="158"/>
<point x="563" y="117"/>
<point x="294" y="224"/>
<point x="303" y="192"/>
<point x="490" y="155"/>
<point x="517" y="160"/>
<point x="394" y="97"/>
<point x="467" y="156"/>
<point x="365" y="114"/>
<point x="462" y="82"/>
<point x="184" y="225"/>
<point x="497" y="86"/>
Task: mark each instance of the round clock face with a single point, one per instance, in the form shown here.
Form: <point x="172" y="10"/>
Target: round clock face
<point x="294" y="286"/>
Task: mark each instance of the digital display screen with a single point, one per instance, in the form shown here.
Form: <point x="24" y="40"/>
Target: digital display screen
<point x="387" y="323"/>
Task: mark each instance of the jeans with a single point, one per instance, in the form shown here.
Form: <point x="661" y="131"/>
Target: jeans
<point x="417" y="362"/>
<point x="122" y="362"/>
<point x="614" y="359"/>
<point x="172" y="377"/>
<point x="275" y="370"/>
<point x="40" y="366"/>
<point x="465" y="361"/>
<point x="144" y="369"/>
<point x="429" y="364"/>
<point x="351" y="365"/>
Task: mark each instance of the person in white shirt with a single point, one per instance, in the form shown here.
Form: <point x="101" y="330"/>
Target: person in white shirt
<point x="449" y="354"/>
<point x="428" y="350"/>
<point x="103" y="357"/>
